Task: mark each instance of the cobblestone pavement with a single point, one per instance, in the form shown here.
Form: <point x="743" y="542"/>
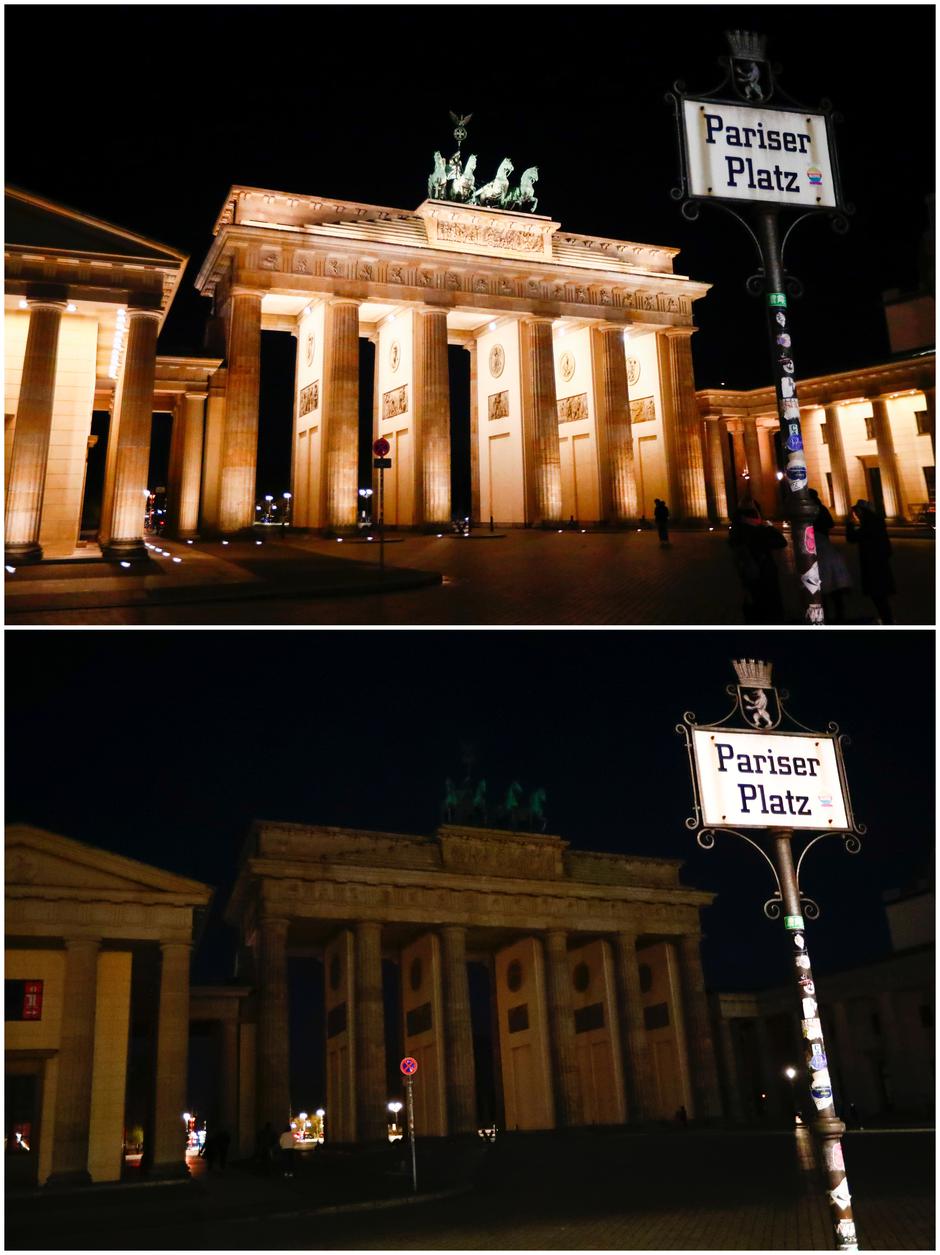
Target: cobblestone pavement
<point x="670" y="1190"/>
<point x="530" y="577"/>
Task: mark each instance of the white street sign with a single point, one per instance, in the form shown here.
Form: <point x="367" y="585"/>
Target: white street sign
<point x="738" y="152"/>
<point x="769" y="780"/>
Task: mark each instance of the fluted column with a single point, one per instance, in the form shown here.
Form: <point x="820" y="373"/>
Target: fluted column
<point x="635" y="1047"/>
<point x="460" y="1076"/>
<point x="134" y="412"/>
<point x="432" y="413"/>
<point x="341" y="404"/>
<point x="273" y="1058"/>
<point x="837" y="467"/>
<point x="229" y="1079"/>
<point x="752" y="453"/>
<point x="474" y="436"/>
<point x="193" y="422"/>
<point x="31" y="435"/>
<point x="240" y="438"/>
<point x="930" y="405"/>
<point x="567" y="1082"/>
<point x="681" y="425"/>
<point x="76" y="1060"/>
<point x="540" y="422"/>
<point x="698" y="1030"/>
<point x="169" y="1146"/>
<point x="716" y="466"/>
<point x="888" y="462"/>
<point x="619" y="472"/>
<point x="371" y="1118"/>
<point x="730" y="1059"/>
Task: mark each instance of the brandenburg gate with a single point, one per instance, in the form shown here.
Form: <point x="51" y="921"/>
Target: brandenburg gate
<point x="593" y="962"/>
<point x="582" y="393"/>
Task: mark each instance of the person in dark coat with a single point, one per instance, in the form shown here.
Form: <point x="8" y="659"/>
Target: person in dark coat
<point x="833" y="573"/>
<point x="753" y="540"/>
<point x="874" y="556"/>
<point x="661" y="515"/>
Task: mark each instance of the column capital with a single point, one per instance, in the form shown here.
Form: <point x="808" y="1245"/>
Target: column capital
<point x="78" y="941"/>
<point x="675" y="333"/>
<point x="241" y="289"/>
<point x="144" y="311"/>
<point x="52" y="294"/>
<point x="46" y="302"/>
<point x="431" y="309"/>
<point x="274" y="922"/>
<point x="189" y="395"/>
<point x="534" y="320"/>
<point x="344" y="300"/>
<point x="620" y="327"/>
<point x="167" y="944"/>
<point x="556" y="939"/>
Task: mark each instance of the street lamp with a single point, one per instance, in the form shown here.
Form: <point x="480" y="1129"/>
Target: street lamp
<point x="320" y="1114"/>
<point x="394" y="1108"/>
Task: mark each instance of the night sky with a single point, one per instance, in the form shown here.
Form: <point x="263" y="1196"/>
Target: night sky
<point x="165" y="745"/>
<point x="179" y="102"/>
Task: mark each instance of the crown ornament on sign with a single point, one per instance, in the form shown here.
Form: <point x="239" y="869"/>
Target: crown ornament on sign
<point x="752" y="673"/>
<point x="747" y="46"/>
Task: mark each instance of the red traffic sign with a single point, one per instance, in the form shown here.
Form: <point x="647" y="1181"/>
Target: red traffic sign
<point x="381" y="447"/>
<point x="409" y="1066"/>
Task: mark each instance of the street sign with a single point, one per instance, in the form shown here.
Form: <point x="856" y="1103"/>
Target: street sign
<point x="382" y="464"/>
<point x="769" y="780"/>
<point x="381" y="447"/>
<point x="409" y="1066"/>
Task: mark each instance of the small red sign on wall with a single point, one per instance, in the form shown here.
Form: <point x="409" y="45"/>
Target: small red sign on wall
<point x="32" y="1000"/>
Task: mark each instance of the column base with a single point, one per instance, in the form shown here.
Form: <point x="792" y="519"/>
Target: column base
<point x="79" y="1176"/>
<point x="23" y="555"/>
<point x="175" y="1170"/>
<point x="132" y="549"/>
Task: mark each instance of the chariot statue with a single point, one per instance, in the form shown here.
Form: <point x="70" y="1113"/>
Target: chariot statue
<point x="495" y="192"/>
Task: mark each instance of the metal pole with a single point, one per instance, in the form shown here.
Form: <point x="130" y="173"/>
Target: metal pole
<point x="410" y="1107"/>
<point x="802" y="511"/>
<point x="382" y="519"/>
<point x="826" y="1124"/>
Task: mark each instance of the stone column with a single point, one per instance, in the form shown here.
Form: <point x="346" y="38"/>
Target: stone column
<point x="887" y="460"/>
<point x="174" y="473"/>
<point x="615" y="396"/>
<point x="76" y="1060"/>
<point x="30" y="451"/>
<point x="432" y="415"/>
<point x="567" y="1082"/>
<point x="240" y="438"/>
<point x="698" y="1030"/>
<point x="371" y="1117"/>
<point x="193" y="420"/>
<point x="273" y="1058"/>
<point x="460" y="1076"/>
<point x="754" y="467"/>
<point x="730" y="1059"/>
<point x="474" y="436"/>
<point x="716" y="466"/>
<point x="638" y="1073"/>
<point x="341" y="407"/>
<point x="133" y="411"/>
<point x="766" y="1080"/>
<point x="542" y="456"/>
<point x="894" y="1049"/>
<point x="930" y="406"/>
<point x="682" y="425"/>
<point x="740" y="461"/>
<point x="229" y="1078"/>
<point x="727" y="461"/>
<point x="169" y="1147"/>
<point x="837" y="467"/>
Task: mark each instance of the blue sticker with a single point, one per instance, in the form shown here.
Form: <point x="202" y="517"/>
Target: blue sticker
<point x="818" y="1059"/>
<point x="821" y="1091"/>
<point x="796" y="473"/>
<point x="794" y="442"/>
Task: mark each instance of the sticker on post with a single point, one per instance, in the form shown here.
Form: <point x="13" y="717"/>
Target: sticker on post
<point x="817" y="1059"/>
<point x="794" y="442"/>
<point x="787" y="388"/>
<point x="814" y="612"/>
<point x="846" y="1229"/>
<point x="786" y="365"/>
<point x="796" y="477"/>
<point x="791" y="409"/>
<point x="808" y="985"/>
<point x="802" y="960"/>
<point x="809" y="1008"/>
<point x="821" y="1078"/>
<point x="809" y="540"/>
<point x="840" y="1195"/>
<point x="781" y="318"/>
<point x="799" y="942"/>
<point x="784" y="340"/>
<point x="834" y="1159"/>
<point x="777" y="298"/>
<point x="812" y="1030"/>
<point x="822" y="1096"/>
<point x="811" y="579"/>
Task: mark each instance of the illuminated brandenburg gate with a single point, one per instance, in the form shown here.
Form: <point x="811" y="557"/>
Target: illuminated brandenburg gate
<point x="582" y="394"/>
<point x="595" y="977"/>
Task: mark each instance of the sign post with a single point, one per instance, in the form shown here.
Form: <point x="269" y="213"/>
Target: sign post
<point x="777" y="777"/>
<point x="381" y="462"/>
<point x="764" y="157"/>
<point x="409" y="1067"/>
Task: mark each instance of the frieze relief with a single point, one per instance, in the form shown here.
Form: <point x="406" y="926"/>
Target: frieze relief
<point x="395" y="402"/>
<point x="270" y="261"/>
<point x="643" y="410"/>
<point x="571" y="409"/>
<point x="513" y="239"/>
<point x="309" y="398"/>
<point x="498" y="405"/>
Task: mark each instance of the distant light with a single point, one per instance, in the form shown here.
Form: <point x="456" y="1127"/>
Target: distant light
<point x="368" y="538"/>
<point x="269" y="498"/>
<point x="189" y="542"/>
<point x="186" y="1116"/>
<point x="259" y="542"/>
<point x="583" y="530"/>
<point x="70" y="309"/>
<point x="639" y="529"/>
<point x="394" y="1106"/>
<point x="320" y="1112"/>
<point x="780" y="474"/>
<point x="339" y="540"/>
<point x="146" y="492"/>
<point x="301" y="1115"/>
<point x="711" y="529"/>
<point x="790" y="1073"/>
<point x="24" y="305"/>
<point x="258" y="508"/>
<point x="177" y="559"/>
<point x="438" y="535"/>
<point x="560" y="531"/>
<point x="11" y="570"/>
<point x="125" y="564"/>
<point x="491" y="327"/>
<point x="224" y="542"/>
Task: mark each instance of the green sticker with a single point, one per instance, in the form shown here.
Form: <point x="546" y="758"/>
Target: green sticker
<point x="793" y="921"/>
<point x="777" y="298"/>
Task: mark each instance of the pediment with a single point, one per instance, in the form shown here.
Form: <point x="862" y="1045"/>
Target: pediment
<point x="33" y="222"/>
<point x="37" y="859"/>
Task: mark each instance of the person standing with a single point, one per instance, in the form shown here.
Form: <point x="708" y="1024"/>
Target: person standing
<point x="833" y="572"/>
<point x="661" y="515"/>
<point x="287" y="1151"/>
<point x="752" y="540"/>
<point x="874" y="556"/>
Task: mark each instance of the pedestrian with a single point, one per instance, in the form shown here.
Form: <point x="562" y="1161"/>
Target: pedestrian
<point x="752" y="540"/>
<point x="286" y="1143"/>
<point x="222" y="1140"/>
<point x="265" y="1146"/>
<point x="661" y="515"/>
<point x="834" y="574"/>
<point x="209" y="1150"/>
<point x="874" y="556"/>
<point x="682" y="1117"/>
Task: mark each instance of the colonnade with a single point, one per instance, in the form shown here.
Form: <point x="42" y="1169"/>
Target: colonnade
<point x="559" y="949"/>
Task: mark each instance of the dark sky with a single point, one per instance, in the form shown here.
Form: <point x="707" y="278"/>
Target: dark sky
<point x="176" y="103"/>
<point x="164" y="745"/>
